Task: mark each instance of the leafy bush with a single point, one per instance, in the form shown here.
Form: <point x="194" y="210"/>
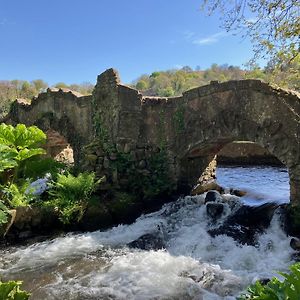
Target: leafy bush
<point x="11" y="291"/>
<point x="18" y="144"/>
<point x="70" y="195"/>
<point x="4" y="212"/>
<point x="38" y="167"/>
<point x="18" y="195"/>
<point x="289" y="289"/>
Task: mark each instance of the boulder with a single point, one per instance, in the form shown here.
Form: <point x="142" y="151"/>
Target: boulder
<point x="238" y="193"/>
<point x="149" y="241"/>
<point x="213" y="196"/>
<point x="214" y="209"/>
<point x="244" y="223"/>
<point x="202" y="188"/>
<point x="295" y="244"/>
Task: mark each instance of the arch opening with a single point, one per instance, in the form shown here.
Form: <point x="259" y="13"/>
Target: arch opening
<point x="240" y="165"/>
<point x="58" y="147"/>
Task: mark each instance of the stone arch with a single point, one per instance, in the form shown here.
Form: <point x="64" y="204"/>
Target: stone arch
<point x="246" y="153"/>
<point x="58" y="147"/>
<point x="233" y="112"/>
<point x="49" y="122"/>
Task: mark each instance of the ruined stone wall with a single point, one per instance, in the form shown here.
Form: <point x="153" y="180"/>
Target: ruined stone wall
<point x="64" y="111"/>
<point x="136" y="141"/>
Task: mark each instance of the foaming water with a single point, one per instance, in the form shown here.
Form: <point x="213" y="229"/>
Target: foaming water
<point x="193" y="265"/>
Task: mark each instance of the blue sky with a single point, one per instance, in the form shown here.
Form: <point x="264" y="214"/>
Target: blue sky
<point x="75" y="40"/>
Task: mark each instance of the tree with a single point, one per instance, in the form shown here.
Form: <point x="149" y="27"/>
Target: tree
<point x="272" y="25"/>
<point x="61" y="85"/>
<point x="40" y="85"/>
<point x="27" y="90"/>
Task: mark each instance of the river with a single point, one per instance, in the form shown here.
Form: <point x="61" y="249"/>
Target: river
<point x="193" y="265"/>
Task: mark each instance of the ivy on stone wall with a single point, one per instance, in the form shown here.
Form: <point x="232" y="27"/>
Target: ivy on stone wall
<point x="161" y="129"/>
<point x="178" y="119"/>
<point x="142" y="178"/>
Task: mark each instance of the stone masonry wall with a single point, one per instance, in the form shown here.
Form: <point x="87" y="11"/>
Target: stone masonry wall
<point x="137" y="141"/>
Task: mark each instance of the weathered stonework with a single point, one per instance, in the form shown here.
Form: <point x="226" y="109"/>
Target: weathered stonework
<point x="246" y="153"/>
<point x="117" y="123"/>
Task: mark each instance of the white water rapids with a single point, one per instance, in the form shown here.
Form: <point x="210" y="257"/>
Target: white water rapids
<point x="99" y="265"/>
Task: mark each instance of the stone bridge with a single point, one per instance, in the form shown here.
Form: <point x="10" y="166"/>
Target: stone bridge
<point x="191" y="128"/>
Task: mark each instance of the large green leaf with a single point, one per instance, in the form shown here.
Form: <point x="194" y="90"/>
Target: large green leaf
<point x="18" y="144"/>
<point x="11" y="291"/>
<point x="28" y="153"/>
<point x="28" y="136"/>
<point x="7" y="136"/>
<point x="21" y="136"/>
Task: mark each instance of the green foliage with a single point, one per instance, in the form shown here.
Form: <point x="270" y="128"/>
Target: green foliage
<point x="13" y="89"/>
<point x="38" y="167"/>
<point x="21" y="137"/>
<point x="272" y="26"/>
<point x="178" y="119"/>
<point x="11" y="291"/>
<point x="17" y="195"/>
<point x="147" y="185"/>
<point x="175" y="82"/>
<point x="141" y="85"/>
<point x="7" y="160"/>
<point x="70" y="195"/>
<point x="4" y="212"/>
<point x="288" y="289"/>
<point x="167" y="92"/>
<point x="18" y="144"/>
<point x="159" y="181"/>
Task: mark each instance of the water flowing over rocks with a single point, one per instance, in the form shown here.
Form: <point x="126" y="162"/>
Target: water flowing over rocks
<point x="192" y="264"/>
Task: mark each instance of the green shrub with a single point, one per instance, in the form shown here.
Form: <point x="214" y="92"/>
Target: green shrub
<point x="70" y="194"/>
<point x="11" y="291"/>
<point x="288" y="289"/>
<point x="38" y="167"/>
<point x="17" y="195"/>
<point x="4" y="212"/>
<point x="18" y="144"/>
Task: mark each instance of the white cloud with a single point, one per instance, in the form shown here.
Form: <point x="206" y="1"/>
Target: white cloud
<point x="212" y="39"/>
<point x="188" y="34"/>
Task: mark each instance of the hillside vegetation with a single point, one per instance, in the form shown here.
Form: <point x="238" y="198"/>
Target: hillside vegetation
<point x="11" y="90"/>
<point x="162" y="83"/>
<point x="175" y="82"/>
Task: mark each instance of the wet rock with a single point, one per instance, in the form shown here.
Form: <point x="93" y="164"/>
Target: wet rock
<point x="264" y="281"/>
<point x="244" y="224"/>
<point x="254" y="216"/>
<point x="212" y="185"/>
<point x="238" y="193"/>
<point x="214" y="209"/>
<point x="149" y="241"/>
<point x="96" y="216"/>
<point x="213" y="196"/>
<point x="295" y="244"/>
<point x="25" y="234"/>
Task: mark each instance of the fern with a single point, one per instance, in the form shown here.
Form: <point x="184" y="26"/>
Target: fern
<point x="288" y="289"/>
<point x="70" y="195"/>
